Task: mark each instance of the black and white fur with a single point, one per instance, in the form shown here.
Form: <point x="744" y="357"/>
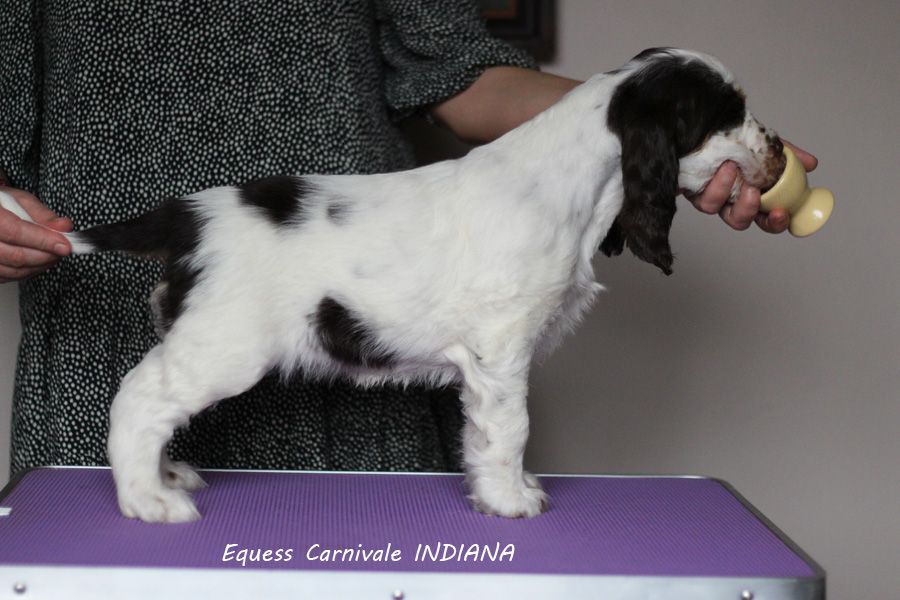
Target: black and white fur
<point x="454" y="273"/>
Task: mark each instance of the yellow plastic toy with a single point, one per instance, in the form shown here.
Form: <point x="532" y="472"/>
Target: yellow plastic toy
<point x="809" y="208"/>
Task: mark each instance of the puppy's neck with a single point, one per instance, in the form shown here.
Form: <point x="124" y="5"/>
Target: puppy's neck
<point x="567" y="159"/>
<point x="563" y="155"/>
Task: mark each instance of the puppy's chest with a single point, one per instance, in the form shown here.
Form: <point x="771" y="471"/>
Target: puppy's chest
<point x="568" y="309"/>
<point x="581" y="291"/>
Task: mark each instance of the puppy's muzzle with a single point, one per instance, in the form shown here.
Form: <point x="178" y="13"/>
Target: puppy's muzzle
<point x="774" y="163"/>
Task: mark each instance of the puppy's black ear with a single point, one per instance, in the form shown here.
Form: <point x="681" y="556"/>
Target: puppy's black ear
<point x="650" y="180"/>
<point x="660" y="113"/>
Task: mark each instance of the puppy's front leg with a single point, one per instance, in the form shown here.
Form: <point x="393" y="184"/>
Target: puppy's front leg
<point x="494" y="438"/>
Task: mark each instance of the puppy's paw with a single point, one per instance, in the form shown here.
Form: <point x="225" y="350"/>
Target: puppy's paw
<point x="157" y="504"/>
<point x="181" y="476"/>
<point x="524" y="499"/>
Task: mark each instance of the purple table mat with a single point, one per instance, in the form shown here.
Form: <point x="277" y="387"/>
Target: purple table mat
<point x="636" y="526"/>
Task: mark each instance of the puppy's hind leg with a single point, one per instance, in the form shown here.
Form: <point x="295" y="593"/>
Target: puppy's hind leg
<point x="139" y="426"/>
<point x="495" y="434"/>
<point x="168" y="386"/>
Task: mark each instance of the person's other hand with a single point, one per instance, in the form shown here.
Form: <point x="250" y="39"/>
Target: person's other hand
<point x="745" y="210"/>
<point x="26" y="249"/>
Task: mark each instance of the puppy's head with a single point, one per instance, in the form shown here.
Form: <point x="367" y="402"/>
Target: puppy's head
<point x="679" y="115"/>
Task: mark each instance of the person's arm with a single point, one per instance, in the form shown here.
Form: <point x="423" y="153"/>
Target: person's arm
<point x="500" y="100"/>
<point x="503" y="98"/>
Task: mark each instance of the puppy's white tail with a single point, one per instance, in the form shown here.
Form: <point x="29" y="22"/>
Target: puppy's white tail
<point x="80" y="245"/>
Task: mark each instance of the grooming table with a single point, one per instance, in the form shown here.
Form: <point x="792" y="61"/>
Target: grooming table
<point x="395" y="536"/>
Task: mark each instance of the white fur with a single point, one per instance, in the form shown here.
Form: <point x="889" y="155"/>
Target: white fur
<point x="464" y="269"/>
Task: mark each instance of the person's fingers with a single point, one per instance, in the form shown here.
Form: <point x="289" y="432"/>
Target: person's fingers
<point x="806" y="159"/>
<point x="63" y="224"/>
<point x="34" y="207"/>
<point x="16" y="232"/>
<point x="19" y="257"/>
<point x="739" y="214"/>
<point x="717" y="191"/>
<point x="10" y="274"/>
<point x="776" y="221"/>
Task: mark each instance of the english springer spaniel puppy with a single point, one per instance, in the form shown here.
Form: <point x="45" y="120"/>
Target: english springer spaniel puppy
<point x="456" y="273"/>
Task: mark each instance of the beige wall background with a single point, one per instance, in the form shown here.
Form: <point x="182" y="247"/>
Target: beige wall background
<point x="767" y="361"/>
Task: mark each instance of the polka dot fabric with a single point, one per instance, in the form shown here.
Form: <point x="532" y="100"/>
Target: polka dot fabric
<point x="110" y="106"/>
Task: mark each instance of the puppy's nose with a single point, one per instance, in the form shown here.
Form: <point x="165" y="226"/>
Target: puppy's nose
<point x="777" y="145"/>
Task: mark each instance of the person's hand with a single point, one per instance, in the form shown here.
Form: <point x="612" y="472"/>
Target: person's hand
<point x="745" y="209"/>
<point x="26" y="249"/>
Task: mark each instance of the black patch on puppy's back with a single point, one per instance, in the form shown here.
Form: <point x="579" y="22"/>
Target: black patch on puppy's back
<point x="280" y="197"/>
<point x="345" y="337"/>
